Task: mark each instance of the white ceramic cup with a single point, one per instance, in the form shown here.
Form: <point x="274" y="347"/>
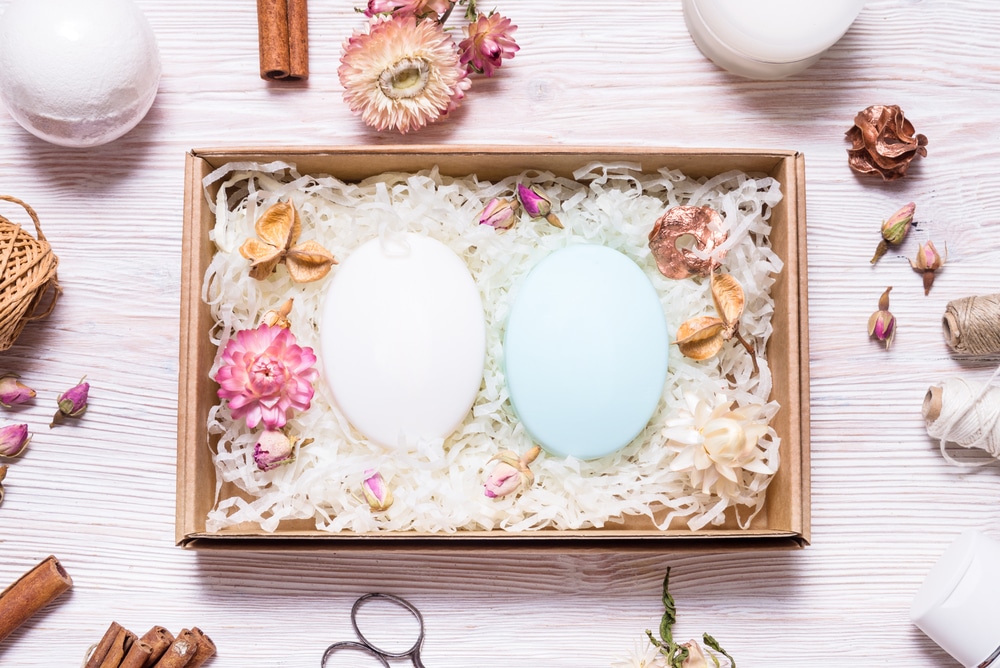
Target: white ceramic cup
<point x="768" y="39"/>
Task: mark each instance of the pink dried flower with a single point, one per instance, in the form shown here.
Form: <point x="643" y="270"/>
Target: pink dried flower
<point x="489" y="39"/>
<point x="511" y="473"/>
<point x="13" y="439"/>
<point x="500" y="213"/>
<point x="377" y="493"/>
<point x="420" y="8"/>
<point x="402" y="73"/>
<point x="536" y="204"/>
<point x="273" y="448"/>
<point x="72" y="402"/>
<point x="13" y="391"/>
<point x="265" y="374"/>
<point x="882" y="324"/>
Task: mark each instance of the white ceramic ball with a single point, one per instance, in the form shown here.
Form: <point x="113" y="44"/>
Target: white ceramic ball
<point x="77" y="72"/>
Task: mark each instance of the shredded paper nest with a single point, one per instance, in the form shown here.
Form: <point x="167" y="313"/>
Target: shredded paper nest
<point x="438" y="486"/>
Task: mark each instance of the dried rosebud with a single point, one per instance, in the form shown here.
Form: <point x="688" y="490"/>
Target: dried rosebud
<point x="928" y="261"/>
<point x="511" y="473"/>
<point x="377" y="493"/>
<point x="882" y="324"/>
<point x="883" y="142"/>
<point x="14" y="439"/>
<point x="894" y="230"/>
<point x="273" y="448"/>
<point x="500" y="213"/>
<point x="695" y="657"/>
<point x="13" y="391"/>
<point x="536" y="204"/>
<point x="72" y="402"/>
<point x="279" y="317"/>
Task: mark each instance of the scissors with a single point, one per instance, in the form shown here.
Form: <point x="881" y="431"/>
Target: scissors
<point x="366" y="646"/>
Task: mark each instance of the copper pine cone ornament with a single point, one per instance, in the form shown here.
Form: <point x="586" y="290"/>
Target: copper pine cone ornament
<point x="883" y="142"/>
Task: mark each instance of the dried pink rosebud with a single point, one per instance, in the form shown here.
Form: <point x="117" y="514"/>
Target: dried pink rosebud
<point x="72" y="402"/>
<point x="695" y="656"/>
<point x="536" y="204"/>
<point x="894" y="230"/>
<point x="13" y="391"/>
<point x="511" y="473"/>
<point x="500" y="213"/>
<point x="488" y="41"/>
<point x="928" y="261"/>
<point x="273" y="448"/>
<point x="882" y="324"/>
<point x="14" y="439"/>
<point x="376" y="491"/>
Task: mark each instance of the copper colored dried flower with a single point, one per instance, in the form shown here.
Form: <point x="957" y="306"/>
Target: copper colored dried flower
<point x="883" y="142"/>
<point x="703" y="224"/>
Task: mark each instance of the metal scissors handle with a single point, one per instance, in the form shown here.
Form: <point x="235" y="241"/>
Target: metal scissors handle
<point x="366" y="646"/>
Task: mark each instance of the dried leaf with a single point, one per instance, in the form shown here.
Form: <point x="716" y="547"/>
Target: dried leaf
<point x="701" y="338"/>
<point x="727" y="293"/>
<point x="308" y="262"/>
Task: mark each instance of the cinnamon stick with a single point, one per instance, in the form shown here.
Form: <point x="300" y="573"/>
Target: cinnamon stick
<point x="283" y="39"/>
<point x="30" y="593"/>
<point x="120" y="646"/>
<point x="96" y="656"/>
<point x="205" y="651"/>
<point x="180" y="652"/>
<point x="138" y="655"/>
<point x="159" y="639"/>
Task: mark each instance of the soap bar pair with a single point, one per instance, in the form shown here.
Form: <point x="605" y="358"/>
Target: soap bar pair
<point x="404" y="344"/>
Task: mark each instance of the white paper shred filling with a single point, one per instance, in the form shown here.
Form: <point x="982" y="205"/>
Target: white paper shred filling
<point x="438" y="486"/>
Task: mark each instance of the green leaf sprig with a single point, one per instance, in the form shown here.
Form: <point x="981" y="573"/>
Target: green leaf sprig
<point x="676" y="654"/>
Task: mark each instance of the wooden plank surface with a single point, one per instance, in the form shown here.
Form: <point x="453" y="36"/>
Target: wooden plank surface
<point x="99" y="492"/>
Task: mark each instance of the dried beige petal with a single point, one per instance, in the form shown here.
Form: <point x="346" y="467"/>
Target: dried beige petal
<point x="280" y="225"/>
<point x="701" y="223"/>
<point x="727" y="293"/>
<point x="308" y="262"/>
<point x="263" y="257"/>
<point x="701" y="338"/>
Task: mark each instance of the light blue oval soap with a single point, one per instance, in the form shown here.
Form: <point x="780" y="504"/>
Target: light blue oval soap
<point x="585" y="351"/>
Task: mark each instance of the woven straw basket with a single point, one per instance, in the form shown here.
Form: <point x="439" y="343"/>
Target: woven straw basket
<point x="29" y="287"/>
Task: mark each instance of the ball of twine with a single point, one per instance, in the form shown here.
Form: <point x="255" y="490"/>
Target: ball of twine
<point x="972" y="325"/>
<point x="964" y="413"/>
<point x="29" y="286"/>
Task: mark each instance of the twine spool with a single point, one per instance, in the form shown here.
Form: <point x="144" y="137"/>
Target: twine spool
<point x="964" y="413"/>
<point x="972" y="325"/>
<point x="29" y="286"/>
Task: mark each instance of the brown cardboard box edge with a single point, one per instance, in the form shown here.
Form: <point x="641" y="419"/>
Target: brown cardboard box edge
<point x="789" y="494"/>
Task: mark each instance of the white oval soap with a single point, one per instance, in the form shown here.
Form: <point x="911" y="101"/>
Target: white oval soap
<point x="77" y="72"/>
<point x="585" y="351"/>
<point x="403" y="338"/>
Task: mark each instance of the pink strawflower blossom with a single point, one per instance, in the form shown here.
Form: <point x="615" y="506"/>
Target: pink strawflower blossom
<point x="402" y="73"/>
<point x="489" y="39"/>
<point x="265" y="374"/>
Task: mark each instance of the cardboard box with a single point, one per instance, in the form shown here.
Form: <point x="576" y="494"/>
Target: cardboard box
<point x="784" y="522"/>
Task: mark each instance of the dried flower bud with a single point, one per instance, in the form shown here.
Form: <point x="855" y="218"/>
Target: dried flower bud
<point x="928" y="261"/>
<point x="72" y="402"/>
<point x="695" y="657"/>
<point x="14" y="439"/>
<point x="536" y="204"/>
<point x="274" y="448"/>
<point x="883" y="142"/>
<point x="511" y="473"/>
<point x="13" y="391"/>
<point x="500" y="213"/>
<point x="894" y="230"/>
<point x="377" y="493"/>
<point x="882" y="324"/>
<point x="3" y="474"/>
<point x="279" y="317"/>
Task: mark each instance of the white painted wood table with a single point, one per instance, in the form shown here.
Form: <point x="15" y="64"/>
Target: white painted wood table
<point x="99" y="492"/>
